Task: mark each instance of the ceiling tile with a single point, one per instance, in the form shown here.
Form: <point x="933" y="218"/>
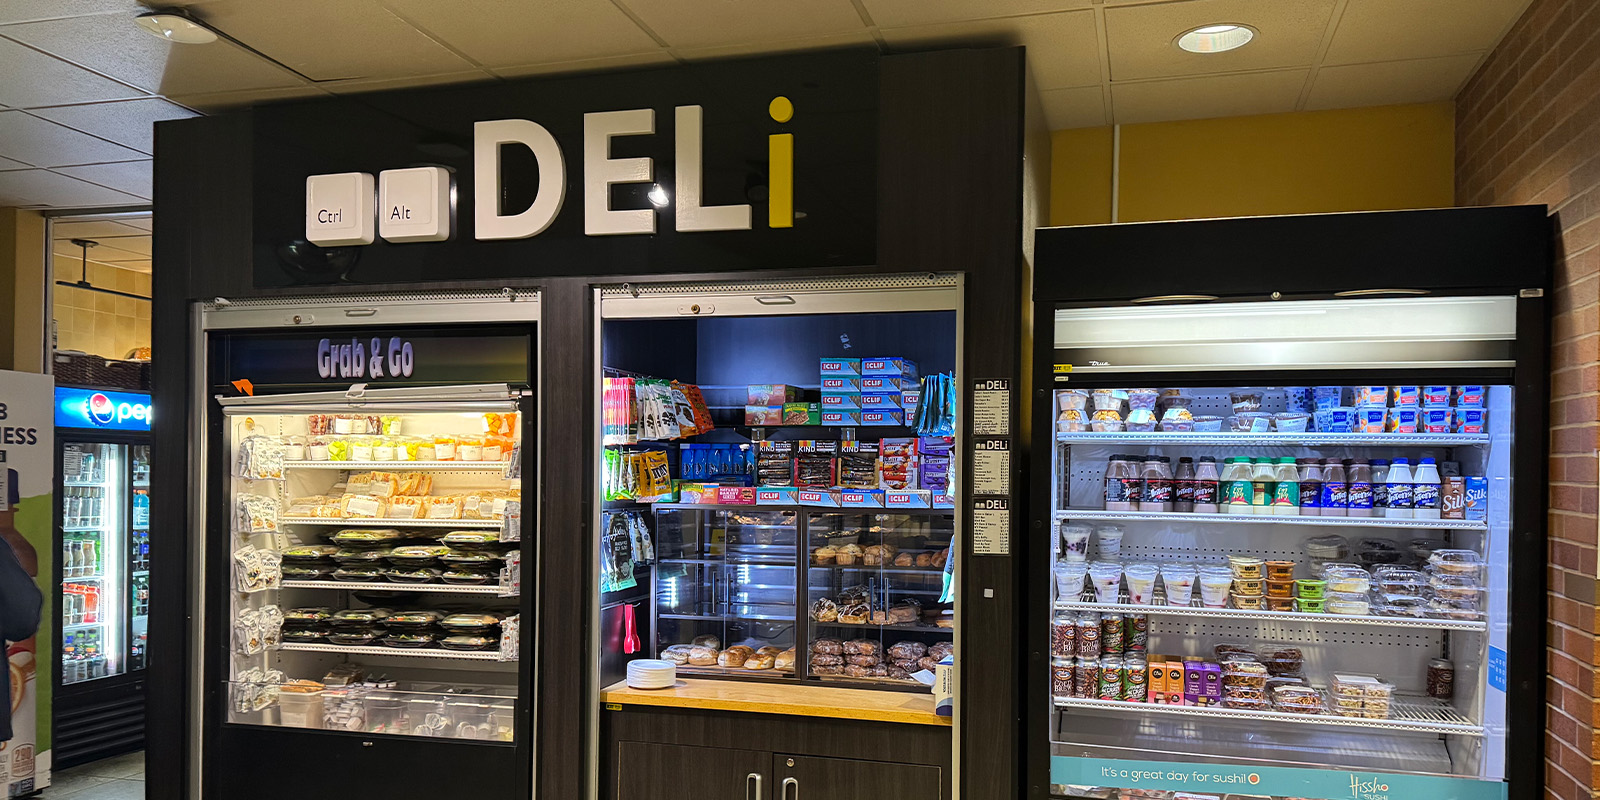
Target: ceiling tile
<point x="713" y="23"/>
<point x="31" y="10"/>
<point x="346" y="39"/>
<point x="1208" y="96"/>
<point x="900" y="13"/>
<point x="145" y="223"/>
<point x="105" y="253"/>
<point x="130" y="123"/>
<point x="92" y="229"/>
<point x="1062" y="48"/>
<point x="38" y="187"/>
<point x="132" y="177"/>
<point x="1420" y="80"/>
<point x="8" y="164"/>
<point x="1386" y="30"/>
<point x="381" y="84"/>
<point x="528" y="33"/>
<point x="859" y="38"/>
<point x="656" y="58"/>
<point x="1140" y="39"/>
<point x="209" y="102"/>
<point x="112" y="45"/>
<point x="45" y="144"/>
<point x="50" y="81"/>
<point x="1083" y="107"/>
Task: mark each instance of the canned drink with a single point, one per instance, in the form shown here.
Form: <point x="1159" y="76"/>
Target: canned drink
<point x="1138" y="632"/>
<point x="1112" y="671"/>
<point x="1112" y="639"/>
<point x="1061" y="677"/>
<point x="1086" y="678"/>
<point x="1135" y="686"/>
<point x="1088" y="635"/>
<point x="1063" y="636"/>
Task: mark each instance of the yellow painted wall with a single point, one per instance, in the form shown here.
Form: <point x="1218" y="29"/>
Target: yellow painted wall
<point x="22" y="290"/>
<point x="1358" y="159"/>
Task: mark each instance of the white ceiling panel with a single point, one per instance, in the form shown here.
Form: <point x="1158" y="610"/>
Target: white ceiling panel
<point x="1391" y="82"/>
<point x="112" y="45"/>
<point x="130" y="123"/>
<point x="38" y="187"/>
<point x="1083" y="107"/>
<point x="528" y="33"/>
<point x="361" y="85"/>
<point x="1208" y="96"/>
<point x="8" y="164"/>
<point x="33" y="10"/>
<point x="106" y="253"/>
<point x="209" y="102"/>
<point x="1063" y="49"/>
<point x="132" y="177"/>
<point x="145" y="223"/>
<point x="342" y="40"/>
<point x="901" y="13"/>
<point x="1140" y="38"/>
<point x="656" y="58"/>
<point x="32" y="78"/>
<point x="859" y="39"/>
<point x="1390" y="30"/>
<point x="94" y="229"/>
<point x="703" y="23"/>
<point x="43" y="143"/>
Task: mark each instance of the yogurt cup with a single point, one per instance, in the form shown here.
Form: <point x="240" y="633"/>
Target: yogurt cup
<point x="1291" y="422"/>
<point x="1335" y="419"/>
<point x="1437" y="420"/>
<point x="1075" y="543"/>
<point x="1107" y="580"/>
<point x="1246" y="567"/>
<point x="1179" y="582"/>
<point x="1435" y="396"/>
<point x="1069" y="580"/>
<point x="1109" y="542"/>
<point x="1215" y="584"/>
<point x="1141" y="583"/>
<point x="1370" y="419"/>
<point x="1326" y="397"/>
<point x="1249" y="602"/>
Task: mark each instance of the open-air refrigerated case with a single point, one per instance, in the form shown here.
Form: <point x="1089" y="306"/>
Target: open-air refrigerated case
<point x="365" y="547"/>
<point x="1240" y="590"/>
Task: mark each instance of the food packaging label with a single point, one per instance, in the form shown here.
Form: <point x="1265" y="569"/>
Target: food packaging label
<point x="1406" y="395"/>
<point x="1436" y="396"/>
<point x="1469" y="396"/>
<point x="895" y="367"/>
<point x="861" y="498"/>
<point x="896" y="417"/>
<point x="881" y="384"/>
<point x="910" y="498"/>
<point x="770" y="394"/>
<point x="802" y="414"/>
<point x="1403" y="419"/>
<point x="1370" y="419"/>
<point x="736" y="495"/>
<point x="1453" y="498"/>
<point x="1325" y="397"/>
<point x="1211" y="673"/>
<point x="817" y="497"/>
<point x="1472" y="420"/>
<point x="910" y="397"/>
<point x="841" y="418"/>
<point x="841" y="402"/>
<point x="849" y="367"/>
<point x="1371" y="396"/>
<point x="944" y="687"/>
<point x="1477" y="498"/>
<point x="1437" y="420"/>
<point x="763" y="415"/>
<point x="943" y="500"/>
<point x="880" y="402"/>
<point x="696" y="493"/>
<point x="1339" y="419"/>
<point x="776" y="496"/>
<point x="841" y="385"/>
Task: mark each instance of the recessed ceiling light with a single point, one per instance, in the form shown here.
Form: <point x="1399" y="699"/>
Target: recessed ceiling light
<point x="175" y="28"/>
<point x="1216" y="38"/>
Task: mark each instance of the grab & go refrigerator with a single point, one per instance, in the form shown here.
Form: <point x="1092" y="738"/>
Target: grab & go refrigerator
<point x="364" y="545"/>
<point x="1289" y="532"/>
<point x="103" y="535"/>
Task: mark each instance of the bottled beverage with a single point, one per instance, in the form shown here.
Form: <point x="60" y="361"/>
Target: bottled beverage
<point x="1183" y="480"/>
<point x="1425" y="491"/>
<point x="1335" y="492"/>
<point x="1310" y="486"/>
<point x="90" y="561"/>
<point x="1163" y="484"/>
<point x="1359" y="495"/>
<point x="1286" y="489"/>
<point x="1236" y="476"/>
<point x="1380" y="487"/>
<point x="1262" y="481"/>
<point x="1206" y="485"/>
<point x="141" y="509"/>
<point x="1399" y="483"/>
<point x="1123" y="485"/>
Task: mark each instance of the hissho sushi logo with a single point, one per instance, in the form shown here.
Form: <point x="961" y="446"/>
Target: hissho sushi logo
<point x="1373" y="789"/>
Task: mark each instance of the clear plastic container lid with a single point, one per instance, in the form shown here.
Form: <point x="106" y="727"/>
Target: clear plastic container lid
<point x="1456" y="561"/>
<point x="1225" y="650"/>
<point x="1144" y="399"/>
<point x="1250" y="422"/>
<point x="1333" y="546"/>
<point x="1246" y="703"/>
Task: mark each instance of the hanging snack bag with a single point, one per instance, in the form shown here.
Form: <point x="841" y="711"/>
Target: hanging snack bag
<point x="702" y="413"/>
<point x="683" y="410"/>
<point x="655" y="478"/>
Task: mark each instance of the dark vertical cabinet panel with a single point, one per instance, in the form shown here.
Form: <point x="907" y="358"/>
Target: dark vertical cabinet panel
<point x="851" y="779"/>
<point x="649" y="771"/>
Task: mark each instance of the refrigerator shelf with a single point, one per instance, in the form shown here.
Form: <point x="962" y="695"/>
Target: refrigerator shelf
<point x="390" y="523"/>
<point x="867" y="626"/>
<point x="473" y="466"/>
<point x="1278" y="616"/>
<point x="1250" y="519"/>
<point x="88" y="529"/>
<point x="1409" y="714"/>
<point x="1280" y="439"/>
<point x="440" y="588"/>
<point x="420" y="652"/>
<point x="76" y="625"/>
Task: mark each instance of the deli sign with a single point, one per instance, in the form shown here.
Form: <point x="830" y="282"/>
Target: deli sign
<point x="360" y="359"/>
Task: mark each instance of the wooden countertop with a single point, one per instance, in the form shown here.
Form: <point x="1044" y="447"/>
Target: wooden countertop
<point x="778" y="698"/>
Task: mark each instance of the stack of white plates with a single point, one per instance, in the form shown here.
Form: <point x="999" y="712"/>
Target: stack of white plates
<point x="648" y="673"/>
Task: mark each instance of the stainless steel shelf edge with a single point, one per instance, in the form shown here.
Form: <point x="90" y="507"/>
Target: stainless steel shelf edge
<point x="1279" y="439"/>
<point x="467" y="466"/>
<point x="1251" y="519"/>
<point x="391" y="523"/>
<point x="405" y="652"/>
<point x="1412" y="715"/>
<point x="1277" y="616"/>
<point x="443" y="588"/>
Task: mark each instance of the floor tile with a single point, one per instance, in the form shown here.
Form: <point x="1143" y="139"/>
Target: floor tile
<point x="110" y="790"/>
<point x="72" y="780"/>
<point x="123" y="766"/>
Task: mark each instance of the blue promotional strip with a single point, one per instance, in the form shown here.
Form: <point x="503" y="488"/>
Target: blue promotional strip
<point x="1296" y="782"/>
<point x="98" y="409"/>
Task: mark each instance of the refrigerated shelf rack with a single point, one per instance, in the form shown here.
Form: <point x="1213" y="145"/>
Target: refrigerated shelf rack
<point x="442" y="588"/>
<point x="1250" y="519"/>
<point x="1276" y="616"/>
<point x="1281" y="439"/>
<point x="407" y="652"/>
<point x="1408" y="713"/>
<point x="479" y="466"/>
<point x="391" y="523"/>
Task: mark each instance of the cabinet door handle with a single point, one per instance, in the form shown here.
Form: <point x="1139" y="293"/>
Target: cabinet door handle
<point x="752" y="786"/>
<point x="784" y="792"/>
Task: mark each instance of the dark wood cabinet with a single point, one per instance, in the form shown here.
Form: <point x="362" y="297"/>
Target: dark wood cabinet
<point x="796" y="777"/>
<point x="648" y="771"/>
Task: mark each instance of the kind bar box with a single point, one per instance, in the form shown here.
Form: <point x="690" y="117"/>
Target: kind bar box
<point x="802" y="414"/>
<point x="1453" y="498"/>
<point x="763" y="415"/>
<point x="770" y="394"/>
<point x="841" y="385"/>
<point x="889" y="367"/>
<point x="841" y="402"/>
<point x="841" y="367"/>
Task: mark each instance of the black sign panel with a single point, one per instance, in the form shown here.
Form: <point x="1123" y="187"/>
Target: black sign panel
<point x="831" y="116"/>
<point x="328" y="359"/>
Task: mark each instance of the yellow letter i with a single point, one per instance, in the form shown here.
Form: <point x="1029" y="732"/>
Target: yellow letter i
<point x="780" y="168"/>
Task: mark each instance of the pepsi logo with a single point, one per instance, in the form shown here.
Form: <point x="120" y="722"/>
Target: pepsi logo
<point x="101" y="409"/>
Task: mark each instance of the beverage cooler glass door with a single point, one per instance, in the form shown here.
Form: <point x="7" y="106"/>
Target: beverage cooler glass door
<point x="94" y="578"/>
<point x="1281" y="583"/>
<point x="139" y="557"/>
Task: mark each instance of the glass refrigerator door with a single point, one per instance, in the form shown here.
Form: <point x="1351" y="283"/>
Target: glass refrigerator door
<point x="94" y="524"/>
<point x="139" y="557"/>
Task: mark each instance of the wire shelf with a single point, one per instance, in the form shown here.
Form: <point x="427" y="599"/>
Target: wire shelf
<point x="431" y="588"/>
<point x="409" y="652"/>
<point x="1250" y="519"/>
<point x="1407" y="713"/>
<point x="391" y="523"/>
<point x="1277" y="616"/>
<point x="1280" y="439"/>
<point x="469" y="466"/>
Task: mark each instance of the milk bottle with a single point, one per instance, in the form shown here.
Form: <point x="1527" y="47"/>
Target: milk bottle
<point x="1425" y="491"/>
<point x="1399" y="490"/>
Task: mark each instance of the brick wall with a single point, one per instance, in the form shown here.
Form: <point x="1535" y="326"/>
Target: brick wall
<point x="1528" y="131"/>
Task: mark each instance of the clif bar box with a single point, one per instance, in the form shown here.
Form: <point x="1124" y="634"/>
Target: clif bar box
<point x="846" y="367"/>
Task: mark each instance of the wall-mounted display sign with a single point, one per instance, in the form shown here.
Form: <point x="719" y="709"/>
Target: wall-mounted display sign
<point x="100" y="409"/>
<point x="401" y="356"/>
